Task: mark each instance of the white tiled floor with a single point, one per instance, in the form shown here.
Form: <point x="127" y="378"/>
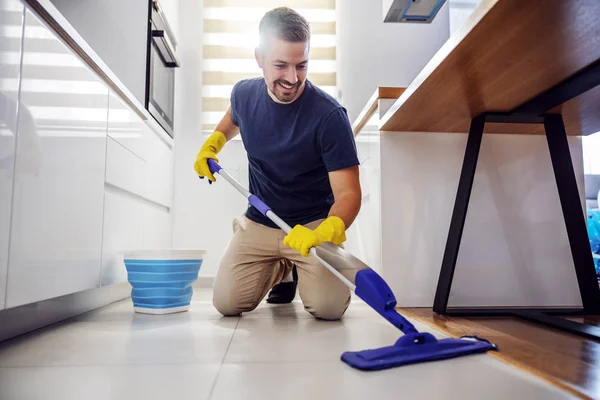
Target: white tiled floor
<point x="276" y="352"/>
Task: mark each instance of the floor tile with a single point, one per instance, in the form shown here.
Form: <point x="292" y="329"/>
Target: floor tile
<point x="356" y="309"/>
<point x="473" y="377"/>
<point x="123" y="311"/>
<point x="151" y="339"/>
<point x="148" y="382"/>
<point x="290" y="339"/>
<point x="274" y="352"/>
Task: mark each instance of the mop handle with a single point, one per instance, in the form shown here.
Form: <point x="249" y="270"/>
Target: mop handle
<point x="266" y="211"/>
<point x="368" y="285"/>
<point x="254" y="200"/>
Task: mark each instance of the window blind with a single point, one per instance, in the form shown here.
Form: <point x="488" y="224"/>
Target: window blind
<point x="230" y="35"/>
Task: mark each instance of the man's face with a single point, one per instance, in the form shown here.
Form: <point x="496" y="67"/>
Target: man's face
<point x="284" y="66"/>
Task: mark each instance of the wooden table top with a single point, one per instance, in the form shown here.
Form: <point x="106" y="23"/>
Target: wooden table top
<point x="505" y="54"/>
<point x="371" y="106"/>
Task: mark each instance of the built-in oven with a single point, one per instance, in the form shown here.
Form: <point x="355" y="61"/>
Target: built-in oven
<point x="162" y="61"/>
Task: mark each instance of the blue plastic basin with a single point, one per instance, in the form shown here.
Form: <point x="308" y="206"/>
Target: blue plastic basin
<point x="161" y="280"/>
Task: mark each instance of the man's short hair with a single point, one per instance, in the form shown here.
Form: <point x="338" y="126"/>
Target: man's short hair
<point x="285" y="24"/>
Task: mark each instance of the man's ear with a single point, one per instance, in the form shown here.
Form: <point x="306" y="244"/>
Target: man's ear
<point x="258" y="57"/>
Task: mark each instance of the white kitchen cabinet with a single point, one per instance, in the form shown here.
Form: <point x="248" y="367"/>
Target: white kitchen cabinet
<point x="126" y="127"/>
<point x="11" y="27"/>
<point x="124" y="169"/>
<point x="56" y="231"/>
<point x="157" y="227"/>
<point x="138" y="160"/>
<point x="123" y="231"/>
<point x="130" y="223"/>
<point x="159" y="171"/>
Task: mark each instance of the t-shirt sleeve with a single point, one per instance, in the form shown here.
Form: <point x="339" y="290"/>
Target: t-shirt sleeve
<point x="338" y="148"/>
<point x="234" y="105"/>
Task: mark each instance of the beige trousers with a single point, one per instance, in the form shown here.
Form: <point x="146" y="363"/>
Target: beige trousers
<point x="256" y="260"/>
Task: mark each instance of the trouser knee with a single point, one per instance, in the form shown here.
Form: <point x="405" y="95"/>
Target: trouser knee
<point x="230" y="307"/>
<point x="330" y="311"/>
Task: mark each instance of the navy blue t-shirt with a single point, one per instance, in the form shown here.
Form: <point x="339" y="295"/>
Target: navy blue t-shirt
<point x="291" y="148"/>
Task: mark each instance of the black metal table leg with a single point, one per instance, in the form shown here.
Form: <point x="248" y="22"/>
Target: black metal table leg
<point x="572" y="212"/>
<point x="459" y="214"/>
<point x="574" y="221"/>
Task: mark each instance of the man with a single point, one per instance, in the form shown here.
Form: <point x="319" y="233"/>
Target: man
<point x="302" y="163"/>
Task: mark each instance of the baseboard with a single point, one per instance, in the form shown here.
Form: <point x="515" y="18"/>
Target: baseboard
<point x="26" y="318"/>
<point x="204" y="282"/>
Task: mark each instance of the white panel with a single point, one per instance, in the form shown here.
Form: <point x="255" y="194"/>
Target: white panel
<point x="140" y="162"/>
<point x="514" y="250"/>
<point x="56" y="232"/>
<point x="159" y="172"/>
<point x="460" y="11"/>
<point x="126" y="127"/>
<point x="124" y="169"/>
<point x="157" y="228"/>
<point x="11" y="15"/>
<point x="123" y="231"/>
<point x="364" y="235"/>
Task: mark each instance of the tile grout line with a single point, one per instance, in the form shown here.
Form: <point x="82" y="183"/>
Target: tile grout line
<point x="214" y="385"/>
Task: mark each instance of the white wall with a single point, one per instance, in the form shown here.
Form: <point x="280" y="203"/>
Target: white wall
<point x="591" y="153"/>
<point x="373" y="54"/>
<point x="460" y="10"/>
<point x="200" y="211"/>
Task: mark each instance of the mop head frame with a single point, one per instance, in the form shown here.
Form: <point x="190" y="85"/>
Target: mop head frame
<point x="415" y="348"/>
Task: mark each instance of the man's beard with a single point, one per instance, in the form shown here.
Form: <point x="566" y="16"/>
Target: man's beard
<point x="287" y="92"/>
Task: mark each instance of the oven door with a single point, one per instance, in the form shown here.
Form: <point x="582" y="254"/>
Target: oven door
<point x="162" y="64"/>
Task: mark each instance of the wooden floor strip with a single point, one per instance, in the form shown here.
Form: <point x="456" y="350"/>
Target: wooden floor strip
<point x="566" y="361"/>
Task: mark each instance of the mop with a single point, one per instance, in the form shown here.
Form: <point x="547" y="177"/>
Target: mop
<point x="414" y="346"/>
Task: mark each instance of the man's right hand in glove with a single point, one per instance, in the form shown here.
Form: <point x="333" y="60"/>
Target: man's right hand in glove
<point x="211" y="147"/>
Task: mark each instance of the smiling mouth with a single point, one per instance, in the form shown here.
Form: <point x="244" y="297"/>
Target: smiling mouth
<point x="285" y="86"/>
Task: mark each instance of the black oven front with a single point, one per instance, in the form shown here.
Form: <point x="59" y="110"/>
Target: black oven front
<point x="162" y="62"/>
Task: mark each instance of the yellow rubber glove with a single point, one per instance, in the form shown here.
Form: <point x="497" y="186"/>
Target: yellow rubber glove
<point x="303" y="239"/>
<point x="211" y="147"/>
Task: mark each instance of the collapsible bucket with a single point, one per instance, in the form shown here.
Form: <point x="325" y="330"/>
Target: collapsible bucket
<point x="162" y="280"/>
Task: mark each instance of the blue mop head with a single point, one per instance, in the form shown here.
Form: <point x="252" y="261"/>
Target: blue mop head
<point x="415" y="348"/>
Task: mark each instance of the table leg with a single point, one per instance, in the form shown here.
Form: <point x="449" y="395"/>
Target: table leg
<point x="461" y="204"/>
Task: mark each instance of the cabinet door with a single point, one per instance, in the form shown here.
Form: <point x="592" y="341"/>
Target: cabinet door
<point x="159" y="171"/>
<point x="56" y="231"/>
<point x="11" y="34"/>
<point x="127" y="128"/>
<point x="123" y="231"/>
<point x="157" y="227"/>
